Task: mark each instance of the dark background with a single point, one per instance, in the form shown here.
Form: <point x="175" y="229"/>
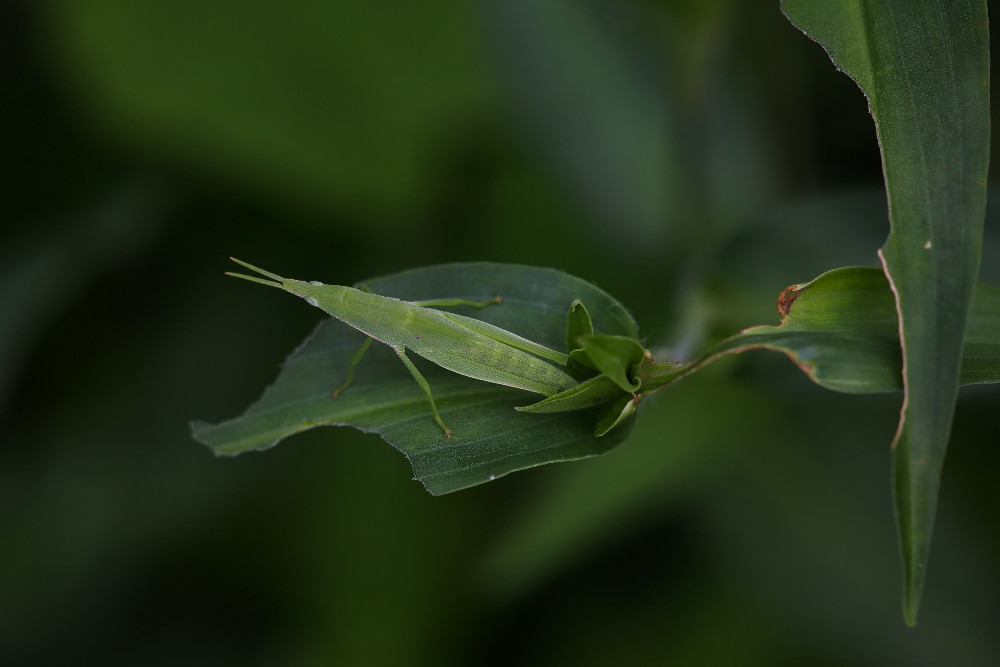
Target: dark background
<point x="692" y="158"/>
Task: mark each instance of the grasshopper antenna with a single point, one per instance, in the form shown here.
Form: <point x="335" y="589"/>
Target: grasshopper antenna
<point x="275" y="281"/>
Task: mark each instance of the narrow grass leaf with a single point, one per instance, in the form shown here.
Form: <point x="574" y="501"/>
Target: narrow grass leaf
<point x="924" y="67"/>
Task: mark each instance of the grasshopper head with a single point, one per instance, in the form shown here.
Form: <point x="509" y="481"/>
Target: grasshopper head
<point x="316" y="294"/>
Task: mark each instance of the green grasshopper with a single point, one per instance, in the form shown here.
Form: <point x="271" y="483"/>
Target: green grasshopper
<point x="482" y="351"/>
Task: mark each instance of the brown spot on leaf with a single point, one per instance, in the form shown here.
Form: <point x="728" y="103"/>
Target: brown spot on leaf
<point x="787" y="298"/>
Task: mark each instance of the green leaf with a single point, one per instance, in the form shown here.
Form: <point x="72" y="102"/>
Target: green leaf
<point x="614" y="357"/>
<point x="578" y="323"/>
<point x="924" y="67"/>
<point x="615" y="413"/>
<point x="840" y="330"/>
<point x="491" y="438"/>
<point x="590" y="392"/>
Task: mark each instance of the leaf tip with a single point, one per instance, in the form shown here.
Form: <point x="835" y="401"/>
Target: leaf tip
<point x="911" y="607"/>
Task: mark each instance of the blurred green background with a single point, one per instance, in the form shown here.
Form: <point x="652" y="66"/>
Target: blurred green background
<point x="692" y="157"/>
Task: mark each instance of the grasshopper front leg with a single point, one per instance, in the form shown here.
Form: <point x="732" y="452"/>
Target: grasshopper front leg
<point x="355" y="360"/>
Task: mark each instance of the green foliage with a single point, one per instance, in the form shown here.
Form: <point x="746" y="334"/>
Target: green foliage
<point x="840" y="330"/>
<point x="840" y="338"/>
<point x="691" y="158"/>
<point x="924" y="68"/>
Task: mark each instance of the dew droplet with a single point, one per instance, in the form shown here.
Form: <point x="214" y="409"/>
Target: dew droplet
<point x="315" y="283"/>
<point x="312" y="302"/>
<point x="492" y="477"/>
